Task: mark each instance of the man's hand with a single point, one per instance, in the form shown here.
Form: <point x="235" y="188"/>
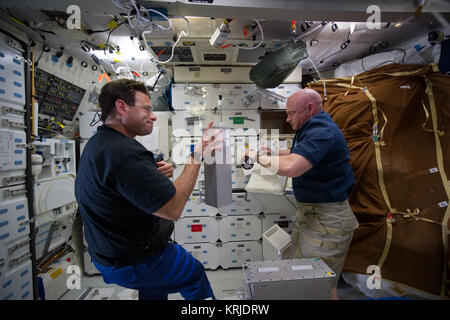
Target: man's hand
<point x="209" y="142"/>
<point x="165" y="168"/>
<point x="248" y="154"/>
<point x="265" y="151"/>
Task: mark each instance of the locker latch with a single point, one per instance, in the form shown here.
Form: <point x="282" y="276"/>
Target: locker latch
<point x="8" y="180"/>
<point x="29" y="221"/>
<point x="11" y="193"/>
<point x="19" y="260"/>
<point x="18" y="246"/>
<point x="6" y="110"/>
<point x="11" y="124"/>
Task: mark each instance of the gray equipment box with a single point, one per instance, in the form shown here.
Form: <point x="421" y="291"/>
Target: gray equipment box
<point x="297" y="279"/>
<point x="218" y="188"/>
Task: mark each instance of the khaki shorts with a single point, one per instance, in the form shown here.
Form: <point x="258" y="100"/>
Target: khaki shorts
<point x="324" y="230"/>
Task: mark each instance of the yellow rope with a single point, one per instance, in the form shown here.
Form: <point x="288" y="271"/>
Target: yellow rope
<point x="427" y="116"/>
<point x="440" y="160"/>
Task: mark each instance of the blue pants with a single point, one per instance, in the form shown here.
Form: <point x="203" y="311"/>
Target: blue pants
<point x="173" y="270"/>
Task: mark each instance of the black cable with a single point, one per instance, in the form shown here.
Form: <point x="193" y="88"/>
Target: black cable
<point x="362" y="64"/>
<point x="93" y="122"/>
<point x="44" y="45"/>
<point x="343" y="46"/>
<point x="403" y="58"/>
<point x="404" y="53"/>
<point x="109" y="35"/>
<point x="96" y="31"/>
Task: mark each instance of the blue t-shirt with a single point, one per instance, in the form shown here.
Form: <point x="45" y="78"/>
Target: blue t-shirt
<point x="118" y="187"/>
<point x="331" y="178"/>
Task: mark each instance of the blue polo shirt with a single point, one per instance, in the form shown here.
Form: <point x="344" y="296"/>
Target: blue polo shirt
<point x="331" y="178"/>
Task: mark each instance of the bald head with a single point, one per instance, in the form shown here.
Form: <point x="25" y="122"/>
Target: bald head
<point x="307" y="98"/>
<point x="301" y="106"/>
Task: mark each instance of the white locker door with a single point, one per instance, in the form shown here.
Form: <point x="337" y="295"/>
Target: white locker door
<point x="206" y="253"/>
<point x="196" y="206"/>
<point x="285" y="90"/>
<point x="242" y="122"/>
<point x="243" y="204"/>
<point x="186" y="124"/>
<point x="233" y="254"/>
<point x="286" y="222"/>
<point x="239" y="228"/>
<point x="16" y="281"/>
<point x="182" y="148"/>
<point x="191" y="96"/>
<point x="196" y="230"/>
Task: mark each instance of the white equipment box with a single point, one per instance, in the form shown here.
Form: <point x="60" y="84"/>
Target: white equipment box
<point x="243" y="203"/>
<point x="206" y="253"/>
<point x="14" y="219"/>
<point x="285" y="90"/>
<point x="242" y="123"/>
<point x="182" y="148"/>
<point x="298" y="279"/>
<point x="53" y="283"/>
<point x="196" y="206"/>
<point x="286" y="222"/>
<point x="16" y="280"/>
<point x="276" y="243"/>
<point x="187" y="124"/>
<point x="239" y="228"/>
<point x="195" y="230"/>
<point x="199" y="183"/>
<point x="238" y="179"/>
<point x="233" y="254"/>
<point x="274" y="203"/>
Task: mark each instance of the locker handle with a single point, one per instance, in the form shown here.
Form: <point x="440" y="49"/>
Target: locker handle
<point x="30" y="221"/>
<point x="201" y="188"/>
<point x="7" y="123"/>
<point x="19" y="259"/>
<point x="6" y="110"/>
<point x="18" y="246"/>
<point x="9" y="193"/>
<point x="8" y="180"/>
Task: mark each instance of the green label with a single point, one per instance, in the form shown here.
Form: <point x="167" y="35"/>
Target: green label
<point x="238" y="120"/>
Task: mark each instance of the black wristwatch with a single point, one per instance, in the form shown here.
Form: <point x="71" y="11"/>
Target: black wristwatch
<point x="197" y="156"/>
